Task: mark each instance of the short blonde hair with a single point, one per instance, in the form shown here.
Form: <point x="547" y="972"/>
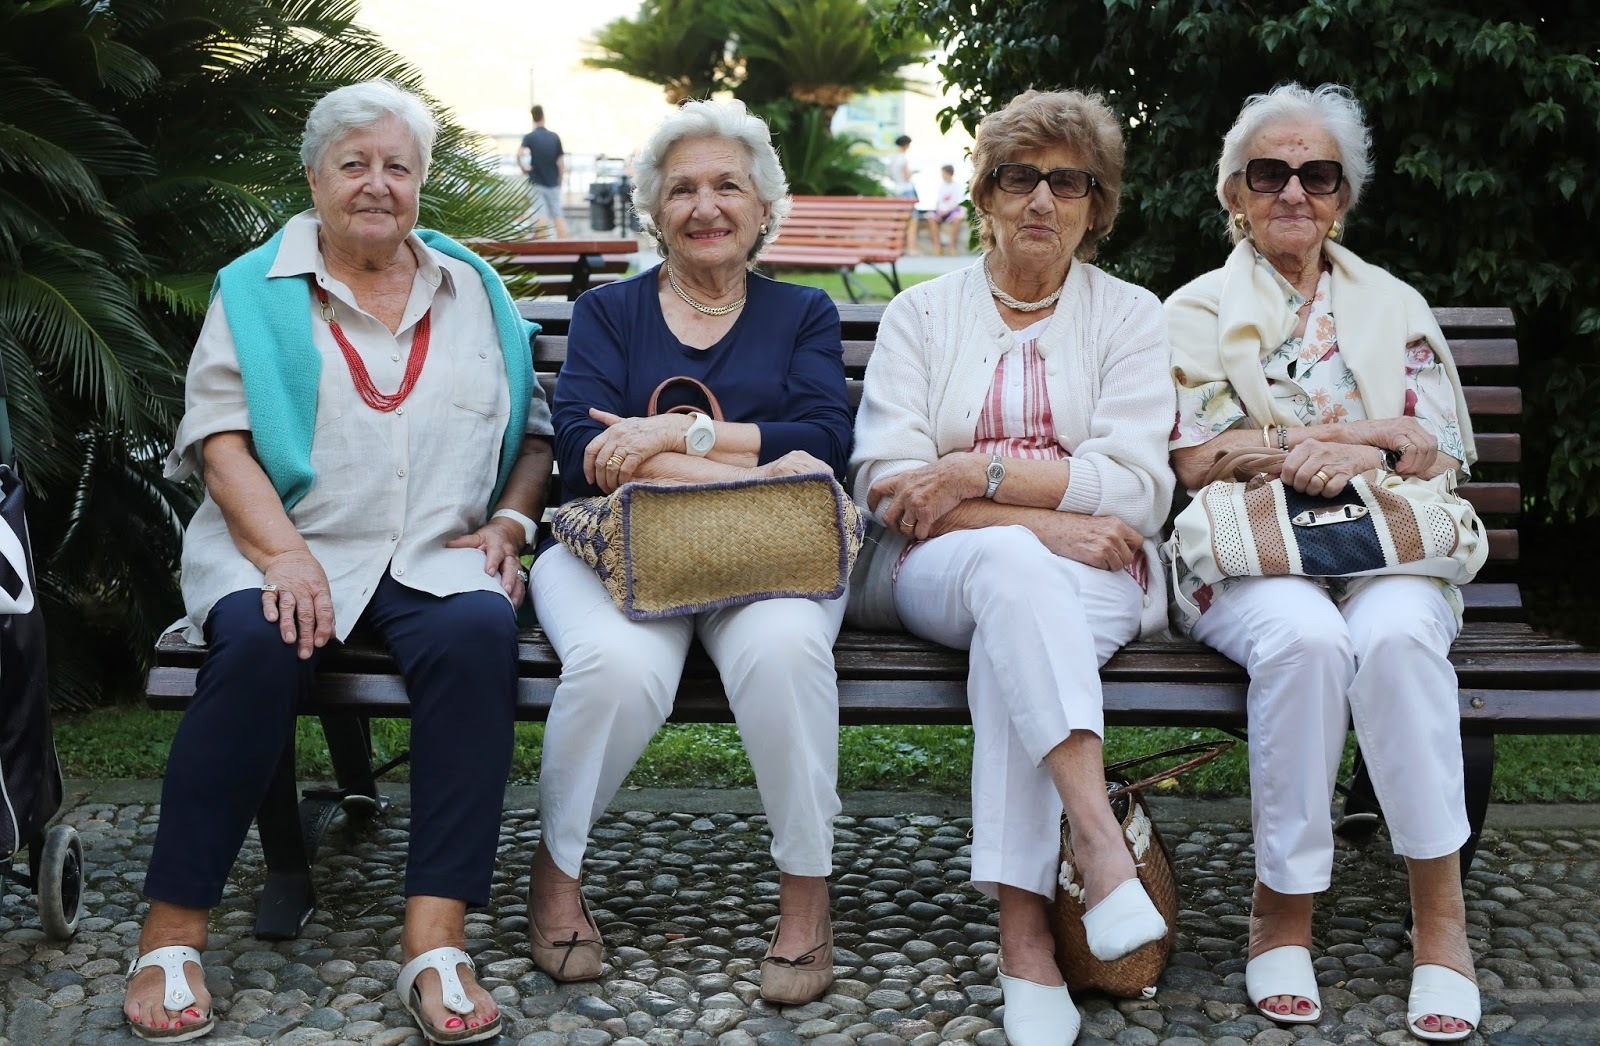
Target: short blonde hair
<point x="1039" y="120"/>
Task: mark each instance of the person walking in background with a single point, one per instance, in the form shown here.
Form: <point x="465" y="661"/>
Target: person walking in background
<point x="947" y="213"/>
<point x="900" y="172"/>
<point x="542" y="160"/>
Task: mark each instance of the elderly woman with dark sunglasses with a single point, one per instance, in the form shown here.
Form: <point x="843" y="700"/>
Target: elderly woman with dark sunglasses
<point x="1013" y="429"/>
<point x="1297" y="343"/>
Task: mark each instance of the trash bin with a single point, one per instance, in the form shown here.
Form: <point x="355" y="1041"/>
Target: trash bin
<point x="602" y="206"/>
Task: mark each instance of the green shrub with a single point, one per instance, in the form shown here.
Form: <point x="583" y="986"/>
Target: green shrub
<point x="1486" y="120"/>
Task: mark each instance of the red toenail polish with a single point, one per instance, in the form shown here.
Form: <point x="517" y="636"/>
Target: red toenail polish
<point x="453" y="1022"/>
<point x="191" y="1012"/>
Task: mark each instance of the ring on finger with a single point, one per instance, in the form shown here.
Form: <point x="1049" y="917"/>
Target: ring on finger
<point x="1322" y="476"/>
<point x="269" y="588"/>
<point x="908" y="524"/>
<point x="615" y="460"/>
<point x="522" y="575"/>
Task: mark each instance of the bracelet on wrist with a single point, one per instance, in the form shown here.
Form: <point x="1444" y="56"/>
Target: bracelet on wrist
<point x="1283" y="439"/>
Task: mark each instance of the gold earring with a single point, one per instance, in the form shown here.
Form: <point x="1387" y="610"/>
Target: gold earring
<point x="1336" y="230"/>
<point x="763" y="228"/>
<point x="1239" y="224"/>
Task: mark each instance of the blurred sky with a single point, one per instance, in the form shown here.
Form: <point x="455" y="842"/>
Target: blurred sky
<point x="490" y="59"/>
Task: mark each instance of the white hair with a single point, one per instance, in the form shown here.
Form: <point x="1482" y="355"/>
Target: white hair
<point x="358" y="107"/>
<point x="1331" y="107"/>
<point x="730" y="121"/>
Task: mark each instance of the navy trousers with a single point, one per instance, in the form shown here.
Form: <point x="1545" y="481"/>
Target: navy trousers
<point x="458" y="655"/>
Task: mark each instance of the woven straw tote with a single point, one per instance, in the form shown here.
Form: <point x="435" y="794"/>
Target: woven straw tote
<point x="1134" y="975"/>
<point x="666" y="550"/>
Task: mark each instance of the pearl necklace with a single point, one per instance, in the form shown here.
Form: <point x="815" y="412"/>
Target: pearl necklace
<point x="709" y="310"/>
<point x="1021" y="306"/>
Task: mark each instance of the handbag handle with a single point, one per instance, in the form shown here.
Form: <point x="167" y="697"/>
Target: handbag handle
<point x="684" y="408"/>
<point x="1242" y="464"/>
<point x="1208" y="750"/>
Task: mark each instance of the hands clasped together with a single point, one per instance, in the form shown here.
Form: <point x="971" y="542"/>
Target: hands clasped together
<point x="1324" y="467"/>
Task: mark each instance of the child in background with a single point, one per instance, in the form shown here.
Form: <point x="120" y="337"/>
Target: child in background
<point x="948" y="213"/>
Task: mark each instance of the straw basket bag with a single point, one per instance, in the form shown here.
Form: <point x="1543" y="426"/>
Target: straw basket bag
<point x="667" y="550"/>
<point x="1134" y="975"/>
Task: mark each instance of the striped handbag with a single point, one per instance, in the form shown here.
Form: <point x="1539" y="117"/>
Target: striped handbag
<point x="1381" y="523"/>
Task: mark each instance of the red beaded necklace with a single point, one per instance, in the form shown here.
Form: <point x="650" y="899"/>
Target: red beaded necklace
<point x="358" y="370"/>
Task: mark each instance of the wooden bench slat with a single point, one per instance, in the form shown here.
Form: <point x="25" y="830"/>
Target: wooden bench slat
<point x="1493" y="399"/>
<point x="1484" y="352"/>
<point x="1493" y="498"/>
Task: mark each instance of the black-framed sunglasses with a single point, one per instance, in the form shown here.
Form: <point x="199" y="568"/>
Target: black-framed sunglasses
<point x="1068" y="183"/>
<point x="1317" y="177"/>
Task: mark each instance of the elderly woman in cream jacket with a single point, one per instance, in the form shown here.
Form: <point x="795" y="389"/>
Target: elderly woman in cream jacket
<point x="1298" y="344"/>
<point x="1013" y="429"/>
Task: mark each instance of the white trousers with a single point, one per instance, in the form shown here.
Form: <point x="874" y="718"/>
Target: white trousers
<point x="1380" y="660"/>
<point x="618" y="681"/>
<point x="1038" y="627"/>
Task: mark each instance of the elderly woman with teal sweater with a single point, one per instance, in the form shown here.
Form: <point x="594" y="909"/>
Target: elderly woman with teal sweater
<point x="362" y="409"/>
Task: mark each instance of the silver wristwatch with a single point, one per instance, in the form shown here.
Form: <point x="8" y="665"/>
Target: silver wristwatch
<point x="996" y="471"/>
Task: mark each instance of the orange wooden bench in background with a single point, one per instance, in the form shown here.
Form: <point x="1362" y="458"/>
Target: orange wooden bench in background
<point x="840" y="233"/>
<point x="557" y="268"/>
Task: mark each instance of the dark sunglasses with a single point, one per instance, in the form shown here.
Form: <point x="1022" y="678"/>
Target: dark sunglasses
<point x="1068" y="183"/>
<point x="1317" y="177"/>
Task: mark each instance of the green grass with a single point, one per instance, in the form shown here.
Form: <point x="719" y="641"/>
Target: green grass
<point x="132" y="741"/>
<point x="876" y="287"/>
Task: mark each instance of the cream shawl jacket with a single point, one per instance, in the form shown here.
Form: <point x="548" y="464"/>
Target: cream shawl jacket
<point x="1224" y="322"/>
<point x="1107" y="371"/>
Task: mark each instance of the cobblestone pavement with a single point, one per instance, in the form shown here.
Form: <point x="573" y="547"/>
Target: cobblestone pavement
<point x="685" y="901"/>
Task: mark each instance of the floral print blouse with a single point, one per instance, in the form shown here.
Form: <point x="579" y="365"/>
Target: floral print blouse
<point x="1307" y="375"/>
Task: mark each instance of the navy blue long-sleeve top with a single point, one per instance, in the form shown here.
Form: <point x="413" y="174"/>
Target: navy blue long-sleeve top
<point x="780" y="366"/>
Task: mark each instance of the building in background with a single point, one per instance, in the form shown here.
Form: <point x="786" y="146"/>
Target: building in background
<point x="489" y="60"/>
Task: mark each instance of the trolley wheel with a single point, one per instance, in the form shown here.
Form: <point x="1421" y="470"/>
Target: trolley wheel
<point x="60" y="881"/>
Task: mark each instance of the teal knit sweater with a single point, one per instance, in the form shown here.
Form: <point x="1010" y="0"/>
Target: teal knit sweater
<point x="270" y="319"/>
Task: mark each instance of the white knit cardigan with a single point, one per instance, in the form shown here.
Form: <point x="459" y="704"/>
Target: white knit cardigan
<point x="1107" y="368"/>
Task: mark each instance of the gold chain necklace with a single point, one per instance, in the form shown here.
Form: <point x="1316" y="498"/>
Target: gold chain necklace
<point x="709" y="310"/>
<point x="1021" y="306"/>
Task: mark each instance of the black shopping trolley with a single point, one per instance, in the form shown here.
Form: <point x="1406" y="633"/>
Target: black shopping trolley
<point x="30" y="776"/>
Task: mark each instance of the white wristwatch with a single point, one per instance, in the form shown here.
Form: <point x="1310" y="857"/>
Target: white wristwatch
<point x="996" y="471"/>
<point x="701" y="436"/>
<point x="523" y="521"/>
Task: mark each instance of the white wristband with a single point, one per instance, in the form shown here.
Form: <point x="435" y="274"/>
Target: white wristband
<point x="526" y="523"/>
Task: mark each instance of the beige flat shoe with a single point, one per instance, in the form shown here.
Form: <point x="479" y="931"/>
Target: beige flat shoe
<point x="578" y="959"/>
<point x="803" y="979"/>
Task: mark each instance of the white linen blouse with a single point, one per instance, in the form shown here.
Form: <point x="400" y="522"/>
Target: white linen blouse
<point x="390" y="488"/>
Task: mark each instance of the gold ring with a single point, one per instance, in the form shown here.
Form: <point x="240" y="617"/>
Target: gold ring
<point x="909" y="524"/>
<point x="269" y="588"/>
<point x="615" y="460"/>
<point x="1322" y="476"/>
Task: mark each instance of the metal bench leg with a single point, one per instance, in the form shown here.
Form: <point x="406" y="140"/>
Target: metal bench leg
<point x="852" y="288"/>
<point x="1477" y="760"/>
<point x="286" y="900"/>
<point x="349" y="740"/>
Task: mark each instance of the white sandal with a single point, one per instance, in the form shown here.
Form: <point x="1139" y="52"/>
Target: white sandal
<point x="1286" y="970"/>
<point x="177" y="994"/>
<point x="1124" y="921"/>
<point x="1038" y="1014"/>
<point x="1443" y="992"/>
<point x="445" y="960"/>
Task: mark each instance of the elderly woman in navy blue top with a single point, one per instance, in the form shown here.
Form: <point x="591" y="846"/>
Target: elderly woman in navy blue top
<point x="711" y="191"/>
<point x="361" y="406"/>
